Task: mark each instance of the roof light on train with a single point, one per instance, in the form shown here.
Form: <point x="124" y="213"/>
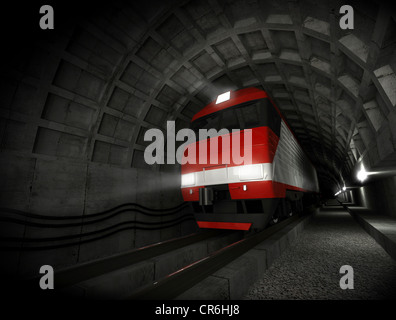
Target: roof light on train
<point x="223" y="97"/>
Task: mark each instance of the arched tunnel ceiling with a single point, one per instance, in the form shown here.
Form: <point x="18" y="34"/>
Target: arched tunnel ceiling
<point x="99" y="84"/>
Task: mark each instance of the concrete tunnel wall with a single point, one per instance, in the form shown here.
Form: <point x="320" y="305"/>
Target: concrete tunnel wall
<point x="378" y="195"/>
<point x="66" y="188"/>
<point x="74" y="107"/>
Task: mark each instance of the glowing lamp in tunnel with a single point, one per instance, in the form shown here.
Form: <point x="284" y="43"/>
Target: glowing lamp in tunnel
<point x="362" y="174"/>
<point x="187" y="179"/>
<point x="343" y="188"/>
<point x="223" y="97"/>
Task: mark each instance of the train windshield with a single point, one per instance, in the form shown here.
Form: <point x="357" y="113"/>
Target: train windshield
<point x="243" y="116"/>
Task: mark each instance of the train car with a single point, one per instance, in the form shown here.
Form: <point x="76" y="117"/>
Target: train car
<point x="228" y="195"/>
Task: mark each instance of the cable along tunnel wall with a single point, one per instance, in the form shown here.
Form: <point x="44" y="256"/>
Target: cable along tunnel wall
<point x="58" y="189"/>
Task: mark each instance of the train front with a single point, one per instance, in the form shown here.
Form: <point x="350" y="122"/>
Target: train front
<point x="227" y="174"/>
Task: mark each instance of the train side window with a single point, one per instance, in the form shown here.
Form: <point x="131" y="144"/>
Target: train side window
<point x="208" y="122"/>
<point x="240" y="118"/>
<point x="251" y="115"/>
<point x="229" y="120"/>
<point x="254" y="114"/>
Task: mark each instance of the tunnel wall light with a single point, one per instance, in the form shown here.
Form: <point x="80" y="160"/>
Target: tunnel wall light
<point x="362" y="174"/>
<point x="344" y="188"/>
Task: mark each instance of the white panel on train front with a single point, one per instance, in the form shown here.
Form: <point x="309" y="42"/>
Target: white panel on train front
<point x="210" y="176"/>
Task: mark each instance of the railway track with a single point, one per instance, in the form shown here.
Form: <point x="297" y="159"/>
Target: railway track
<point x="176" y="283"/>
<point x="119" y="275"/>
<point x="162" y="270"/>
<point x="73" y="275"/>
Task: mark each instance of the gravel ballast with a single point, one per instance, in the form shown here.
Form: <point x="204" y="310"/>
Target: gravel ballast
<point x="310" y="267"/>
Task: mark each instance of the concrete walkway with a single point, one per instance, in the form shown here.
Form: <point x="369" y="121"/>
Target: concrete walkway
<point x="382" y="228"/>
<point x="310" y="268"/>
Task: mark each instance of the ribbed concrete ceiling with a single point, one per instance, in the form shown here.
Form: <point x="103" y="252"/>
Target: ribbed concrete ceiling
<point x="99" y="84"/>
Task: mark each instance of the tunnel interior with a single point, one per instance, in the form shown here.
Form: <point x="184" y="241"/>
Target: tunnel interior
<point x="76" y="102"/>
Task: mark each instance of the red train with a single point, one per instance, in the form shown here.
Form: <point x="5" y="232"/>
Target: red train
<point x="244" y="197"/>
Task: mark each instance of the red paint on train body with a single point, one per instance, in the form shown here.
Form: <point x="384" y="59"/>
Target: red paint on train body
<point x="265" y="141"/>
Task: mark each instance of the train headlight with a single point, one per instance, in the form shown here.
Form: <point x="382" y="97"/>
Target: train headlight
<point x="188" y="179"/>
<point x="251" y="172"/>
